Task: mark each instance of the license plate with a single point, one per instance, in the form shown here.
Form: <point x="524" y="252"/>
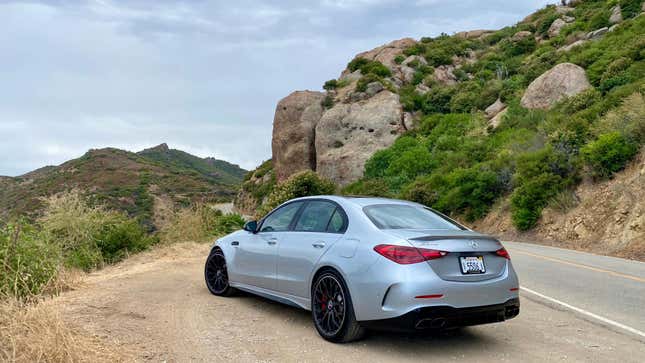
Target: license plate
<point x="472" y="265"/>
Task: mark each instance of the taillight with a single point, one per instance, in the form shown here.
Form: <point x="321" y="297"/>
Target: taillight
<point x="408" y="255"/>
<point x="502" y="252"/>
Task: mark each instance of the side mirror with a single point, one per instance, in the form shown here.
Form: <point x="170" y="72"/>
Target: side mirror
<point x="251" y="226"/>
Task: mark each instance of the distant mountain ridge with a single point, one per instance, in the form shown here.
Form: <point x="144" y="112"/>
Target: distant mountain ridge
<point x="125" y="180"/>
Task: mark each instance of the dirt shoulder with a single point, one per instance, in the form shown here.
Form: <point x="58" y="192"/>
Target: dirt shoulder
<point x="156" y="306"/>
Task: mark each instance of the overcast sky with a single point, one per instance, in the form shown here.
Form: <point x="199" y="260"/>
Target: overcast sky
<point x="202" y="76"/>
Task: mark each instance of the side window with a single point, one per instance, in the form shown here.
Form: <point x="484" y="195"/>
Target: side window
<point x="280" y="220"/>
<point x="336" y="223"/>
<point x="315" y="216"/>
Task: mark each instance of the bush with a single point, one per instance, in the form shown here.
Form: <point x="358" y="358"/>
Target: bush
<point x="628" y="119"/>
<point x="199" y="223"/>
<point x="368" y="187"/>
<point x="528" y="200"/>
<point x="90" y="236"/>
<point x="361" y="85"/>
<point x="369" y="67"/>
<point x="29" y="264"/>
<point x="298" y="185"/>
<point x="330" y="85"/>
<point x="608" y="154"/>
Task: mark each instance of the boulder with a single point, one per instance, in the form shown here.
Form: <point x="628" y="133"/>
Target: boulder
<point x="616" y="15"/>
<point x="577" y="43"/>
<point x="373" y="88"/>
<point x="568" y="19"/>
<point x="495" y="108"/>
<point x="556" y="27"/>
<point x="443" y="74"/>
<point x="294" y="126"/>
<point x="597" y="33"/>
<point x="473" y="34"/>
<point x="563" y="9"/>
<point x="419" y="59"/>
<point x="349" y="134"/>
<point x="350" y="76"/>
<point x="422" y="88"/>
<point x="386" y="53"/>
<point x="563" y="80"/>
<point x="407" y="73"/>
<point x="495" y="121"/>
<point x="521" y="35"/>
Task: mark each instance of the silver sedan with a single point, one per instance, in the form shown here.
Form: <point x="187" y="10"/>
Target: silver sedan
<point x="368" y="263"/>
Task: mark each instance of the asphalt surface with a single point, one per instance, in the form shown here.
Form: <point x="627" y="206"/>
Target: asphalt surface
<point x="599" y="286"/>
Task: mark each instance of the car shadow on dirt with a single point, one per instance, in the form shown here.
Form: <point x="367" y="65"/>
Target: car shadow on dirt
<point x="394" y="342"/>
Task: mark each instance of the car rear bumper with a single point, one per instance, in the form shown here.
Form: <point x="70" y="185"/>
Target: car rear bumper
<point x="444" y="317"/>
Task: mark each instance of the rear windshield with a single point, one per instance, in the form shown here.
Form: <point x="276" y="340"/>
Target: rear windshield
<point x="400" y="216"/>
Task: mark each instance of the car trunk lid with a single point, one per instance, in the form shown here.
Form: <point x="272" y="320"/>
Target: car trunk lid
<point x="458" y="244"/>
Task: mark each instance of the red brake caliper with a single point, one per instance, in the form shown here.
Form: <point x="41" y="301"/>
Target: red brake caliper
<point x="324" y="303"/>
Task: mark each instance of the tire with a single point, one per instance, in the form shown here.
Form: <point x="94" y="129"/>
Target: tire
<point x="330" y="296"/>
<point x="216" y="275"/>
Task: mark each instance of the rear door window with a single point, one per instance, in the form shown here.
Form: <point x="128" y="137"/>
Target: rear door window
<point x="315" y="216"/>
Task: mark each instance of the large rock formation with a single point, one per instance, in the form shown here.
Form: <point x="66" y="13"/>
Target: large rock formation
<point x="348" y="135"/>
<point x="563" y="80"/>
<point x="294" y="126"/>
<point x="386" y="53"/>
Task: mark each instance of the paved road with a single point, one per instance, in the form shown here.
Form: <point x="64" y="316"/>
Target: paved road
<point x="606" y="290"/>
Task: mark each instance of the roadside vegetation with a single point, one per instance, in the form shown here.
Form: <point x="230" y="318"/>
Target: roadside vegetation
<point x="43" y="257"/>
<point x="455" y="162"/>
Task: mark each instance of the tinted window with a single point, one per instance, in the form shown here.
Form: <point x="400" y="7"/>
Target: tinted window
<point x="336" y="223"/>
<point x="399" y="216"/>
<point x="315" y="216"/>
<point x="280" y="220"/>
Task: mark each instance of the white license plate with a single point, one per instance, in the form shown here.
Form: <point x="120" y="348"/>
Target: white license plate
<point x="472" y="265"/>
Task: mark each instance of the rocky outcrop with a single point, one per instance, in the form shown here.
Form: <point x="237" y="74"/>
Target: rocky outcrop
<point x="473" y="34"/>
<point x="597" y="33"/>
<point x="556" y="27"/>
<point x="386" y="53"/>
<point x="348" y="134"/>
<point x="443" y="74"/>
<point x="294" y="126"/>
<point x="563" y="80"/>
<point x="492" y="110"/>
<point x="495" y="121"/>
<point x="577" y="43"/>
<point x="523" y="34"/>
<point x="616" y="15"/>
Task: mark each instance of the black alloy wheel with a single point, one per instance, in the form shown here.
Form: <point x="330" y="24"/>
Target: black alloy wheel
<point x="216" y="275"/>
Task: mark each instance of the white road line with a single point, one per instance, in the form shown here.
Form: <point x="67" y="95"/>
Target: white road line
<point x="586" y="313"/>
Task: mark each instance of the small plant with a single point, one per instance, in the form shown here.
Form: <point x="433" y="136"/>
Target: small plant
<point x="399" y="59"/>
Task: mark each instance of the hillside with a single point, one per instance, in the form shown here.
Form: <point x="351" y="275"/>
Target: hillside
<point x="519" y="116"/>
<point x="125" y="181"/>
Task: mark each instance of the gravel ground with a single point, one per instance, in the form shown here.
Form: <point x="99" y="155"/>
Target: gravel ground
<point x="157" y="306"/>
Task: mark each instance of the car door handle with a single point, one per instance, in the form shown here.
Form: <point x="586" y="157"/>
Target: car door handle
<point x="318" y="244"/>
<point x="272" y="241"/>
<point x="235" y="243"/>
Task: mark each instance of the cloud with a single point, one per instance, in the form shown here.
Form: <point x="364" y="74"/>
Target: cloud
<point x="203" y="76"/>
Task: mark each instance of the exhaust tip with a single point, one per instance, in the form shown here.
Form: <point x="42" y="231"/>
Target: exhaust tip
<point x="436" y="323"/>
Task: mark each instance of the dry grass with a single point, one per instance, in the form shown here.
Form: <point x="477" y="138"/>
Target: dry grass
<point x="36" y="333"/>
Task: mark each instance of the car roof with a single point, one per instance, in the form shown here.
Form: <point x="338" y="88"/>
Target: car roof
<point x="361" y="201"/>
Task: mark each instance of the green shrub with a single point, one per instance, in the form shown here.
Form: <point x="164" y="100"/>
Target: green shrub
<point x="608" y="154"/>
<point x="121" y="238"/>
<point x="298" y="185"/>
<point x="369" y="67"/>
<point x="30" y="265"/>
<point x="630" y="8"/>
<point x="368" y="187"/>
<point x="528" y="200"/>
<point x="628" y="119"/>
<point x="330" y="85"/>
<point x="399" y="59"/>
